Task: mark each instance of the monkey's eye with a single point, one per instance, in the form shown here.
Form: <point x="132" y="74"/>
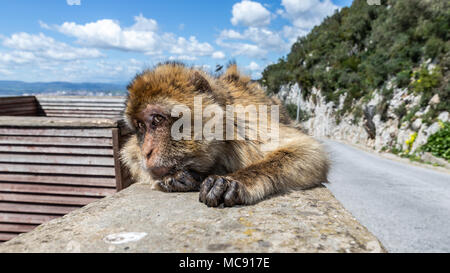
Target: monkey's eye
<point x="157" y="119"/>
<point x="140" y="126"/>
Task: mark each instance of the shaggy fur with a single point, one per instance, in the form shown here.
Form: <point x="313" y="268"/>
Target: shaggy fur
<point x="231" y="172"/>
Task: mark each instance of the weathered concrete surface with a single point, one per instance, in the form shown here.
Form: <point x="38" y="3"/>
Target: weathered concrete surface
<point x="302" y="221"/>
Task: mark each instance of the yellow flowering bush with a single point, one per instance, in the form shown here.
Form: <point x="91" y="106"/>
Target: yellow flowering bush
<point x="409" y="142"/>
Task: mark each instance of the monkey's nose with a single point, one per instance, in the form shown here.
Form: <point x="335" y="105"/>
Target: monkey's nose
<point x="149" y="154"/>
<point x="159" y="171"/>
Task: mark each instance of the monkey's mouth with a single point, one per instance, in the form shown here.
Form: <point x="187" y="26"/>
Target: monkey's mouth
<point x="159" y="172"/>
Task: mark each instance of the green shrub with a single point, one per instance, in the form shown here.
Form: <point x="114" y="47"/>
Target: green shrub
<point x="410" y="114"/>
<point x="400" y="111"/>
<point x="403" y="78"/>
<point x="434" y="47"/>
<point x="291" y="108"/>
<point x="426" y="81"/>
<point x="438" y="144"/>
<point x="359" y="48"/>
<point x="429" y="117"/>
<point x="357" y="115"/>
<point x="383" y="106"/>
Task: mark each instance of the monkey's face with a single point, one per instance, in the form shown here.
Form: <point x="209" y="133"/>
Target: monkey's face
<point x="151" y="99"/>
<point x="153" y="131"/>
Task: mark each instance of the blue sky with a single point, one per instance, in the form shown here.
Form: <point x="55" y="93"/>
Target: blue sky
<point x="111" y="40"/>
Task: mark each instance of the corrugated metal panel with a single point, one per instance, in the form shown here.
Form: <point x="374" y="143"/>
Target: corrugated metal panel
<point x="46" y="173"/>
<point x="19" y="106"/>
<point x="46" y="140"/>
<point x="75" y="106"/>
<point x="49" y="169"/>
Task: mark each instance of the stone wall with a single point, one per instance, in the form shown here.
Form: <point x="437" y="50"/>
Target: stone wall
<point x="139" y="219"/>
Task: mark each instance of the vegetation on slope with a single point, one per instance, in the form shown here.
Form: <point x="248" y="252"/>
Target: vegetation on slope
<point x="439" y="143"/>
<point x="359" y="48"/>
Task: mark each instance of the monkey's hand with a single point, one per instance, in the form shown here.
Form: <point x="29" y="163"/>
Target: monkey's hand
<point x="182" y="181"/>
<point x="216" y="190"/>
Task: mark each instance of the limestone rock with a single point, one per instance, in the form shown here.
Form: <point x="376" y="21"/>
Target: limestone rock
<point x="421" y="138"/>
<point x="416" y="124"/>
<point x="435" y="100"/>
<point x="444" y="116"/>
<point x="391" y="132"/>
<point x="430" y="158"/>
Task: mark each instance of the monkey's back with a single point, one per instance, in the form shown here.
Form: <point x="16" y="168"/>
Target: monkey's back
<point x="240" y="90"/>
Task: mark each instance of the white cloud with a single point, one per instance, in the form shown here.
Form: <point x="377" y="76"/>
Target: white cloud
<point x="256" y="75"/>
<point x="249" y="13"/>
<point x="298" y="6"/>
<point x="305" y="14"/>
<point x="244" y="49"/>
<point x="230" y="34"/>
<point x="43" y="25"/>
<point x="253" y="37"/>
<point x="253" y="66"/>
<point x="254" y="70"/>
<point x="43" y="46"/>
<point x="134" y="61"/>
<point x="292" y="33"/>
<point x="6" y="72"/>
<point x="204" y="67"/>
<point x="144" y="24"/>
<point x="17" y="57"/>
<point x="189" y="46"/>
<point x="218" y="55"/>
<point x="258" y="40"/>
<point x="107" y="33"/>
<point x="182" y="58"/>
<point x="37" y="57"/>
<point x="141" y="37"/>
<point x="134" y="65"/>
<point x="102" y="70"/>
<point x="265" y="38"/>
<point x="74" y="2"/>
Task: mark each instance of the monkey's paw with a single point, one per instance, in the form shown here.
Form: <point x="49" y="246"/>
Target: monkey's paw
<point x="182" y="181"/>
<point x="216" y="190"/>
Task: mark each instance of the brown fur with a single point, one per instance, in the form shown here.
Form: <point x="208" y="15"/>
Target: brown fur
<point x="236" y="169"/>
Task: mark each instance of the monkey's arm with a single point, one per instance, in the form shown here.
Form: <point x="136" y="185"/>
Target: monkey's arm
<point x="300" y="164"/>
<point x="181" y="181"/>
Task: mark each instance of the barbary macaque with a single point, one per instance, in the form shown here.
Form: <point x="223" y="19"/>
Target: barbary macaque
<point x="237" y="171"/>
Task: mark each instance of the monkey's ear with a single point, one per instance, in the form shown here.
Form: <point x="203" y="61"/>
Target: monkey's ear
<point x="232" y="73"/>
<point x="200" y="83"/>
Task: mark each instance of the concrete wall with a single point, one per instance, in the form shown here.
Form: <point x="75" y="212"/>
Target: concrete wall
<point x="139" y="219"/>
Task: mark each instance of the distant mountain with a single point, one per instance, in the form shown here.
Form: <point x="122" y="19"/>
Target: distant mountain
<point x="17" y="88"/>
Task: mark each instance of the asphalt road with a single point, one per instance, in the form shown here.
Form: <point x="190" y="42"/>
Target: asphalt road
<point x="405" y="206"/>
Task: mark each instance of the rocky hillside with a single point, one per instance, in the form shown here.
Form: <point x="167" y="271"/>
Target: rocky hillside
<point x="374" y="75"/>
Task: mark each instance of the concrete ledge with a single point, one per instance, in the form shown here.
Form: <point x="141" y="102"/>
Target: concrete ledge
<point x="139" y="219"/>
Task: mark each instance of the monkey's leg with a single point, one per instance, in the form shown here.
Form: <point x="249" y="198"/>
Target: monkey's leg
<point x="182" y="181"/>
<point x="297" y="166"/>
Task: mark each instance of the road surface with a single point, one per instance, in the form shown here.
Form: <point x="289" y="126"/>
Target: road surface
<point x="406" y="207"/>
